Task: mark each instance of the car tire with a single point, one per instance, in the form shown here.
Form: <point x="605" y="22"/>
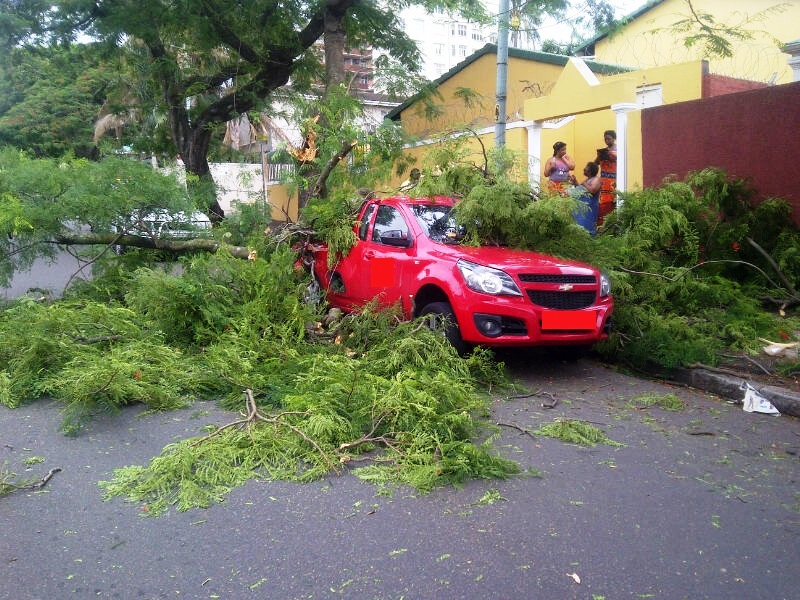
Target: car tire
<point x="440" y="317"/>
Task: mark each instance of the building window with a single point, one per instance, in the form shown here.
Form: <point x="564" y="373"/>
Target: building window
<point x="438" y="49"/>
<point x="462" y="30"/>
<point x="462" y="51"/>
<point x="476" y="35"/>
<point x="453" y="50"/>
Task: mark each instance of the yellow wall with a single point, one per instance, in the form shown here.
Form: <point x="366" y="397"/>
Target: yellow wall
<point x="576" y="109"/>
<point x="284" y="205"/>
<point x="526" y="79"/>
<point x="577" y="92"/>
<point x="649" y="40"/>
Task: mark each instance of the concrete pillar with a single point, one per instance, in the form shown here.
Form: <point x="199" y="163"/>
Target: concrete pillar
<point x="793" y="49"/>
<point x="534" y="153"/>
<point x="621" y="110"/>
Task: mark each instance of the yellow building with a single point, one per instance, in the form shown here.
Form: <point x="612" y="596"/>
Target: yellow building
<point x="656" y="35"/>
<point x="550" y="98"/>
<point x="465" y="98"/>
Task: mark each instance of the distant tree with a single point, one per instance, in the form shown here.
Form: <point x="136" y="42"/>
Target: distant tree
<point x="584" y="18"/>
<point x="50" y="96"/>
<point x="208" y="62"/>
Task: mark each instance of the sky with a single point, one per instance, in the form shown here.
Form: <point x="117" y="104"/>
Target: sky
<point x="560" y="31"/>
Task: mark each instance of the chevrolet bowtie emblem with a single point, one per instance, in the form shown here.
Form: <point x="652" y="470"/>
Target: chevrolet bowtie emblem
<point x="565" y="287"/>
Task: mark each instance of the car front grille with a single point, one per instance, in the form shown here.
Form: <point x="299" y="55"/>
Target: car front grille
<point x="557" y="278"/>
<point x="562" y="300"/>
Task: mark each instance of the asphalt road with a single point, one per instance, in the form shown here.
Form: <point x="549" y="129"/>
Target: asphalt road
<point x="702" y="503"/>
<point x="52" y="276"/>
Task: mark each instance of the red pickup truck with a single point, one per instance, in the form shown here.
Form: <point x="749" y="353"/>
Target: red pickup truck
<point x="408" y="252"/>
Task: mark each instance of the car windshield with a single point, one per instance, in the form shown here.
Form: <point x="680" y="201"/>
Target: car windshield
<point x="438" y="223"/>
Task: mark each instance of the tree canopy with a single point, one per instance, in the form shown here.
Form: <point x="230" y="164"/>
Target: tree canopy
<point x="202" y="63"/>
<point x="50" y="98"/>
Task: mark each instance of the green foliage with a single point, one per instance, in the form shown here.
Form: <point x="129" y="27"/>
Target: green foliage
<point x="690" y="285"/>
<point x="669" y="402"/>
<point x="50" y="97"/>
<point x="39" y="340"/>
<point x="494" y="213"/>
<point x="576" y="432"/>
<point x="407" y="404"/>
<point x="146" y="372"/>
<point x="54" y="199"/>
<point x="716" y="37"/>
<point x="189" y="308"/>
<point x="333" y="220"/>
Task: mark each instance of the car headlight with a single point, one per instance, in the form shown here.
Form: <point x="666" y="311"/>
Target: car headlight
<point x="487" y="280"/>
<point x="605" y="285"/>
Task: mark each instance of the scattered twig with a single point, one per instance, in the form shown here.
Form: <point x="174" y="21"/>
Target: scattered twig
<point x="34" y="486"/>
<point x="532" y="394"/>
<point x="517" y="427"/>
<point x="108" y="383"/>
<point x="254" y="415"/>
<point x="751" y="360"/>
<point x="710" y="262"/>
<point x="774" y="265"/>
<point x="551" y="404"/>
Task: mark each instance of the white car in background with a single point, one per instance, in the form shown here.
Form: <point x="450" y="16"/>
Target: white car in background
<point x="162" y="225"/>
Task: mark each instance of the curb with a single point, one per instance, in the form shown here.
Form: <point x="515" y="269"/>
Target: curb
<point x="730" y="387"/>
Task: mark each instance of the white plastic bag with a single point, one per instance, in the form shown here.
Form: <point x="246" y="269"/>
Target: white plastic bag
<point x="755" y="402"/>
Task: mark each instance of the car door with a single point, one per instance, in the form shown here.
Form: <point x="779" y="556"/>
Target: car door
<point x="374" y="267"/>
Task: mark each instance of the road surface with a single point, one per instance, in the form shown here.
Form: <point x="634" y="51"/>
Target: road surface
<point x="702" y="503"/>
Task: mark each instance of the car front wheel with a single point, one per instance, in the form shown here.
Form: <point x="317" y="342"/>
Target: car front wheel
<point x="439" y="316"/>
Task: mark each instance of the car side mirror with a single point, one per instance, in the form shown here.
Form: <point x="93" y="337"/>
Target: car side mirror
<point x="396" y="238"/>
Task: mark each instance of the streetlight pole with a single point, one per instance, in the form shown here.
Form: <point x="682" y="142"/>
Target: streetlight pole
<point x="502" y="75"/>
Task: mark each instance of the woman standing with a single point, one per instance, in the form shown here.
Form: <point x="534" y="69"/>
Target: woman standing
<point x="558" y="167"/>
<point x="607" y="161"/>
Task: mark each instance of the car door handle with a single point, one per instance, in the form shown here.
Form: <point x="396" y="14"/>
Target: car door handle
<point x="369" y="254"/>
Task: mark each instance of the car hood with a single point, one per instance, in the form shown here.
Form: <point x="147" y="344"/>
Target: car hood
<point x="518" y="261"/>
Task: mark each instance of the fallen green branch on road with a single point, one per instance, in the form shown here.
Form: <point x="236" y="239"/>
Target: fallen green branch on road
<point x="669" y="402"/>
<point x="7" y="486"/>
<point x="407" y="409"/>
<point x="576" y="432"/>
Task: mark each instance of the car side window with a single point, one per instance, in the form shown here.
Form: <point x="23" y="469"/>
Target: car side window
<point x="389" y="223"/>
<point x="365" y="219"/>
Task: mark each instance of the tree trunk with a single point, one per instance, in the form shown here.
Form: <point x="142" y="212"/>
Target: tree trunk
<point x="203" y="190"/>
<point x="192" y="141"/>
<point x="334" y="42"/>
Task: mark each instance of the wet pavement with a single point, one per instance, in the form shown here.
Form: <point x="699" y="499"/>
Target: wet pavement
<point x="702" y="503"/>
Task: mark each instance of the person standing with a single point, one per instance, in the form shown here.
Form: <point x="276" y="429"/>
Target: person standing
<point x="607" y="161"/>
<point x="588" y="193"/>
<point x="557" y="169"/>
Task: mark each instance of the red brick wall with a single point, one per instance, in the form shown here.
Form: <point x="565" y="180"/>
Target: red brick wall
<point x="753" y="134"/>
<point x="717" y="85"/>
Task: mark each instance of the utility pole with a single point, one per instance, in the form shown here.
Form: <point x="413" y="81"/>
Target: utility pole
<point x="502" y="75"/>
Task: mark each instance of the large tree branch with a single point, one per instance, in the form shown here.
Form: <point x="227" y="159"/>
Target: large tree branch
<point x="320" y="187"/>
<point x="107" y="239"/>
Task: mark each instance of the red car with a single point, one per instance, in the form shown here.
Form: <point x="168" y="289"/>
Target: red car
<point x="408" y="252"/>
